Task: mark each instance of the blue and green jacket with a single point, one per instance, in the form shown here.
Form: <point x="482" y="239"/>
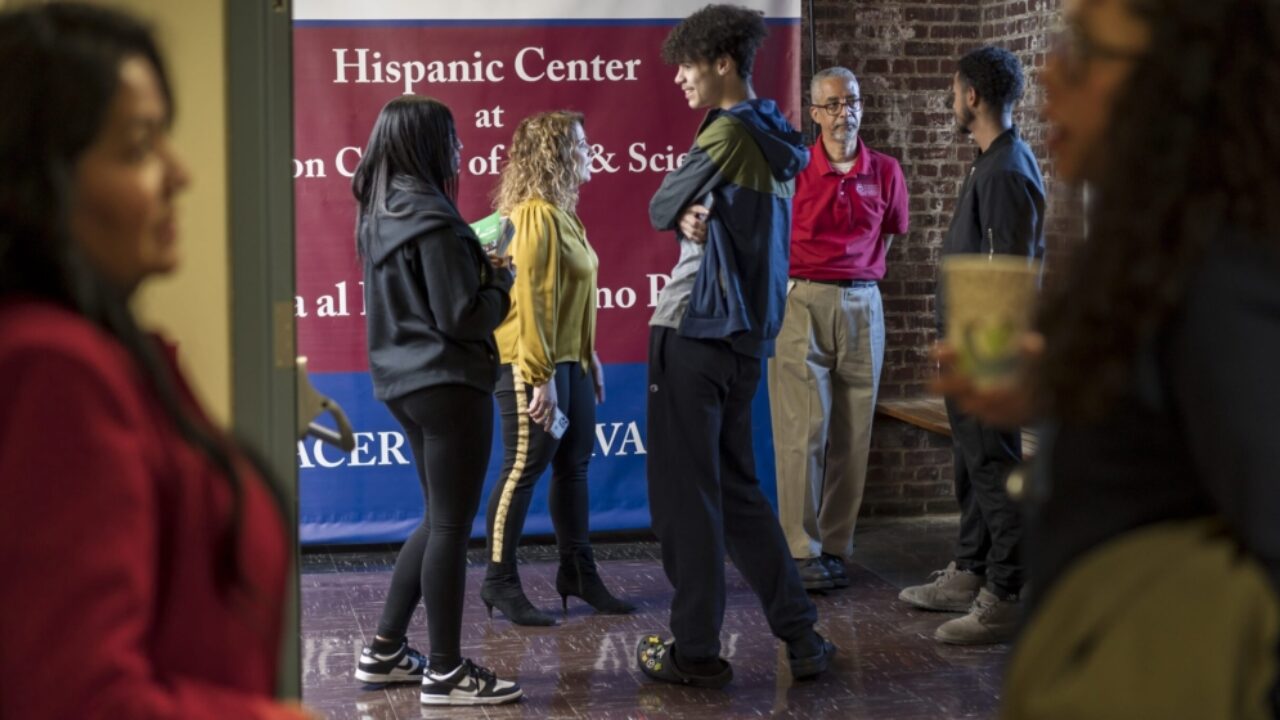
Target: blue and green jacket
<point x="746" y="158"/>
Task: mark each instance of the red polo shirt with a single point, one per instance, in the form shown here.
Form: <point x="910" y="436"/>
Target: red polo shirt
<point x="839" y="221"/>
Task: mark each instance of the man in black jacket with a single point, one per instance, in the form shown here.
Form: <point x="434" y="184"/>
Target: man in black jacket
<point x="1000" y="210"/>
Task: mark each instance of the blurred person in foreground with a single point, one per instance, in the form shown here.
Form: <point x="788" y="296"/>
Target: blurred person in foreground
<point x="1153" y="546"/>
<point x="144" y="553"/>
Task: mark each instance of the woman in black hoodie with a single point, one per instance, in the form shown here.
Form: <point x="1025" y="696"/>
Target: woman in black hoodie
<point x="433" y="300"/>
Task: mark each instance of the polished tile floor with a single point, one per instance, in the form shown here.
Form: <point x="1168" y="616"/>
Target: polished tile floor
<point x="888" y="668"/>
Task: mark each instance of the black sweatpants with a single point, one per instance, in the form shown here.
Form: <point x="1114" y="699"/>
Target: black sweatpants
<point x="990" y="521"/>
<point x="449" y="429"/>
<point x="705" y="497"/>
<point x="528" y="450"/>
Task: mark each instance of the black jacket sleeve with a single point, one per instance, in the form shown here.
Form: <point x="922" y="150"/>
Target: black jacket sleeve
<point x="1010" y="209"/>
<point x="1223" y="375"/>
<point x="683" y="187"/>
<point x="465" y="305"/>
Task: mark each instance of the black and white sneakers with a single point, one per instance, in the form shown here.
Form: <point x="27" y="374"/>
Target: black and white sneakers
<point x="468" y="684"/>
<point x="403" y="665"/>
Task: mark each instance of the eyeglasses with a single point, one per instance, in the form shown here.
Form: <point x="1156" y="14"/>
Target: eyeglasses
<point x="836" y="107"/>
<point x="1076" y="51"/>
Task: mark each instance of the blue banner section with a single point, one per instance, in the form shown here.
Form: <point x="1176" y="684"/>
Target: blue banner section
<point x="373" y="495"/>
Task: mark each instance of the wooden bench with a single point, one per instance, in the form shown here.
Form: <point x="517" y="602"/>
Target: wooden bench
<point x="930" y="414"/>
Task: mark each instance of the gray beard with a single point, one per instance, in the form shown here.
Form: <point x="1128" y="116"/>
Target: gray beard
<point x="848" y="132"/>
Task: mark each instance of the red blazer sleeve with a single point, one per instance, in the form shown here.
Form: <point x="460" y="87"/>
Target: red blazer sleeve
<point x="80" y="551"/>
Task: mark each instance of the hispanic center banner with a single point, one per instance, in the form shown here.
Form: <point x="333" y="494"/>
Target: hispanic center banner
<point x="494" y="62"/>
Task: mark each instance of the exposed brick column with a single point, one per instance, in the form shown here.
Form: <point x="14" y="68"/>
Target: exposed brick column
<point x="1026" y="27"/>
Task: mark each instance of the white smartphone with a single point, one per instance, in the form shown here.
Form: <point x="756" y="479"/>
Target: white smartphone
<point x="559" y="425"/>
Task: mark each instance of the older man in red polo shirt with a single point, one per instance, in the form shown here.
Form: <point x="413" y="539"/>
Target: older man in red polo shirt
<point x="849" y="203"/>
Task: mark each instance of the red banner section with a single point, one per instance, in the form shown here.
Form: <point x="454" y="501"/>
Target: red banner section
<point x="491" y="75"/>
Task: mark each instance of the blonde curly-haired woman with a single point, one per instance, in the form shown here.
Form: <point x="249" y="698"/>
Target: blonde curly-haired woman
<point x="547" y="348"/>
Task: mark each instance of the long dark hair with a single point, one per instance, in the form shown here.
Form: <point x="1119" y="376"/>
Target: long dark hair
<point x="62" y="72"/>
<point x="413" y="138"/>
<point x="1193" y="148"/>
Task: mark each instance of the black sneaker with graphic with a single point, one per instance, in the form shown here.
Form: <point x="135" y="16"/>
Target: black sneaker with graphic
<point x="657" y="659"/>
<point x="469" y="684"/>
<point x="403" y="665"/>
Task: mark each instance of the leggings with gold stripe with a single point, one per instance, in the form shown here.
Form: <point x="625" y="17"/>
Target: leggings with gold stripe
<point x="528" y="450"/>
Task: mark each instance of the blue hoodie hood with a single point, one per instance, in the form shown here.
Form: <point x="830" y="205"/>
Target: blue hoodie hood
<point x="782" y="145"/>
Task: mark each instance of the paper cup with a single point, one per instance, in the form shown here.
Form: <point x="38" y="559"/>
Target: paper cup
<point x="989" y="303"/>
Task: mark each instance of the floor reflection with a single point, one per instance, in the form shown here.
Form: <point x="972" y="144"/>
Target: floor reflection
<point x="888" y="667"/>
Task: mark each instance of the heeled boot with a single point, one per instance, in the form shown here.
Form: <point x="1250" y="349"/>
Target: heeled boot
<point x="501" y="589"/>
<point x="579" y="577"/>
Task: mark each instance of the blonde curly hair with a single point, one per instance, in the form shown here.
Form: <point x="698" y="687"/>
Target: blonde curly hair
<point x="543" y="162"/>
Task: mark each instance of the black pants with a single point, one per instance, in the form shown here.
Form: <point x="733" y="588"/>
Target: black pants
<point x="449" y="429"/>
<point x="990" y="521"/>
<point x="528" y="450"/>
<point x="704" y="495"/>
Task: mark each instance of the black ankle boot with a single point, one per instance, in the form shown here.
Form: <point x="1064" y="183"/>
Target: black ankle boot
<point x="501" y="589"/>
<point x="578" y="577"/>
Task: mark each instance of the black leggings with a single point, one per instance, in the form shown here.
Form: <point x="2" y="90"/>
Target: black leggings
<point x="449" y="429"/>
<point x="528" y="449"/>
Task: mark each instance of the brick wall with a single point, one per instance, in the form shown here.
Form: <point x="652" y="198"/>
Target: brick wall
<point x="904" y="53"/>
<point x="1026" y="28"/>
<point x="909" y="472"/>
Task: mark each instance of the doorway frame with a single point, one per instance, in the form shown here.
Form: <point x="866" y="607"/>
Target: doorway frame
<point x="259" y="47"/>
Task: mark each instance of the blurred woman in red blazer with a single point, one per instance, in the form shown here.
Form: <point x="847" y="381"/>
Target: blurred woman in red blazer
<point x="143" y="554"/>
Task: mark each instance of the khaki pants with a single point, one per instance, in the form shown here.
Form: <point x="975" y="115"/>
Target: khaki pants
<point x="822" y="395"/>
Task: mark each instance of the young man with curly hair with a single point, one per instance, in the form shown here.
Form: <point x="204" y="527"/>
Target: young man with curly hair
<point x="715" y="321"/>
<point x="1000" y="210"/>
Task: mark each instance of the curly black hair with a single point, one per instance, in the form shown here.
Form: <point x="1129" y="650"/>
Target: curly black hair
<point x="1192" y="148"/>
<point x="995" y="75"/>
<point x="715" y="31"/>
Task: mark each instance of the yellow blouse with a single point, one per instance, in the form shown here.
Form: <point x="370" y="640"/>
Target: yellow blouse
<point x="553" y="302"/>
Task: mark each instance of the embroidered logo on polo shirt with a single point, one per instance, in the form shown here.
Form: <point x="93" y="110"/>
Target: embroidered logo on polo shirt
<point x="868" y="189"/>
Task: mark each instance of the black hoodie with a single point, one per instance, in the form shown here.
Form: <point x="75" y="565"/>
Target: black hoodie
<point x="432" y="301"/>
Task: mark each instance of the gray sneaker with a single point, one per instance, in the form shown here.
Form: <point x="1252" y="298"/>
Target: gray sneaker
<point x="814" y="574"/>
<point x="991" y="620"/>
<point x="952" y="590"/>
